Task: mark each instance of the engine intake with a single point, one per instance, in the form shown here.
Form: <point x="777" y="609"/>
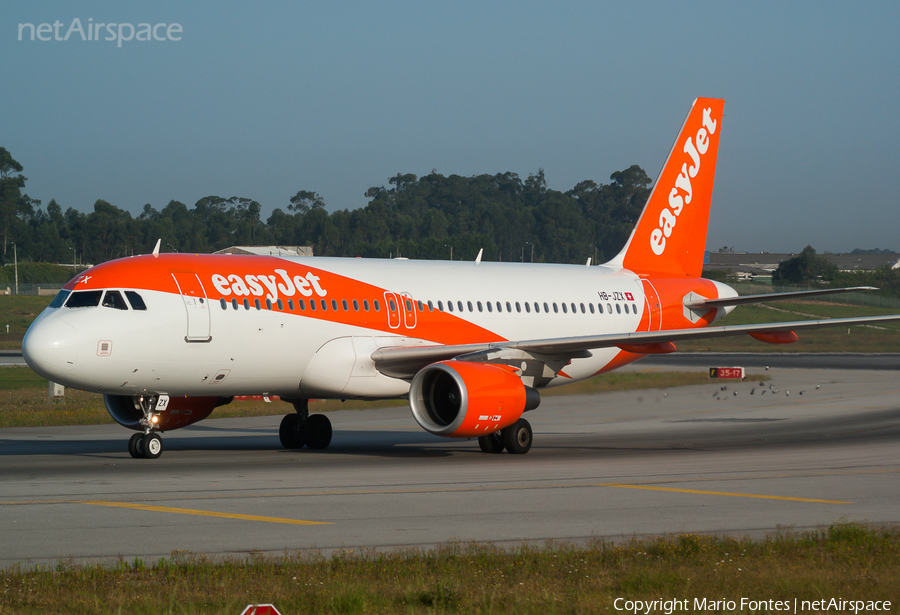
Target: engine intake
<point x="459" y="399"/>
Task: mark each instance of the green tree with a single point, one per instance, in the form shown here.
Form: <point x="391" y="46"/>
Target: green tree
<point x="11" y="183"/>
<point x="804" y="268"/>
<point x="305" y="201"/>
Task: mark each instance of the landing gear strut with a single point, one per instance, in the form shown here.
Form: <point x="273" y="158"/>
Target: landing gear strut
<point x="302" y="428"/>
<point x="148" y="444"/>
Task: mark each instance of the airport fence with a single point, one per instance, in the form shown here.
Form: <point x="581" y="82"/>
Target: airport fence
<point x="47" y="290"/>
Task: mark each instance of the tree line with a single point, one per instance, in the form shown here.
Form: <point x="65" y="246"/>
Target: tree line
<point x="428" y="217"/>
<point x="416" y="217"/>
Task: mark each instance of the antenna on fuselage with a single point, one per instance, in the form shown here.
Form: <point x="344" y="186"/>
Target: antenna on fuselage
<point x="588" y="263"/>
<point x="478" y="258"/>
<point x="156" y="249"/>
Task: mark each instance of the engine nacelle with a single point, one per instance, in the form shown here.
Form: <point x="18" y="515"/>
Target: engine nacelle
<point x="459" y="399"/>
<point x="180" y="412"/>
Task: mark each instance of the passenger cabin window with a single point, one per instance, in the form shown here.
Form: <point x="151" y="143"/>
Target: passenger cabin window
<point x="59" y="299"/>
<point x="84" y="298"/>
<point x="113" y="299"/>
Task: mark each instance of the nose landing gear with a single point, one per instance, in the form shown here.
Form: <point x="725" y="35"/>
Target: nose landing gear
<point x="148" y="444"/>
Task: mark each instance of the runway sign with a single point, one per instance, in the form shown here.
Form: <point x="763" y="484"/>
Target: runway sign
<point x="260" y="609"/>
<point x="734" y="373"/>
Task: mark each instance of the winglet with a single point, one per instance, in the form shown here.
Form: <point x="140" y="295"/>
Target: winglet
<point x="670" y="236"/>
<point x="156" y="249"/>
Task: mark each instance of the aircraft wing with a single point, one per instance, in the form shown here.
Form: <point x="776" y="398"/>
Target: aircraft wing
<point x="405" y="362"/>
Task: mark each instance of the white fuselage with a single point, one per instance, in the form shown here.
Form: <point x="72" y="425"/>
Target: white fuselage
<point x="296" y="353"/>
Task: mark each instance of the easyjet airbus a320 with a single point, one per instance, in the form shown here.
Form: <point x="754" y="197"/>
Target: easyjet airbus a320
<point x="166" y="338"/>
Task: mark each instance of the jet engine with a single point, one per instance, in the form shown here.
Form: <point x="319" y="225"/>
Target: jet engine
<point x="180" y="412"/>
<point x="460" y="399"/>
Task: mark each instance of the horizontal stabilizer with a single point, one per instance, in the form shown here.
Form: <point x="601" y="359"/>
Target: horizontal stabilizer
<point x="728" y="301"/>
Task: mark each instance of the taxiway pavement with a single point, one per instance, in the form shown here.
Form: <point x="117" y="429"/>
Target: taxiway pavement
<point x="806" y="449"/>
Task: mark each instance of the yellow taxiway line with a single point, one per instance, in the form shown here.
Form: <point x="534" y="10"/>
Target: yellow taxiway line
<point x="204" y="513"/>
<point x="723" y="493"/>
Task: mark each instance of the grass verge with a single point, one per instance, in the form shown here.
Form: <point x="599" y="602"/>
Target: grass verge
<point x="24" y="401"/>
<point x="844" y="561"/>
<point x="18" y="312"/>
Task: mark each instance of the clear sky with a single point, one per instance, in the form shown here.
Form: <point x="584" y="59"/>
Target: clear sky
<point x="262" y="99"/>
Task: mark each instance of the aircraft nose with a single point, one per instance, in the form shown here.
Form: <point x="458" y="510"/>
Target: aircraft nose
<point x="50" y="348"/>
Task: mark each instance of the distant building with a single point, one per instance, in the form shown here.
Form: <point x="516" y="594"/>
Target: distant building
<point x="268" y="250"/>
<point x="761" y="265"/>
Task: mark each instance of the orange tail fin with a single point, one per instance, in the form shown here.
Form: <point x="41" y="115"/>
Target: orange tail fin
<point x="670" y="236"/>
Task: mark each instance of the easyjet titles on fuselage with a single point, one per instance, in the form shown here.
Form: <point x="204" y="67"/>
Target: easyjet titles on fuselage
<point x="257" y="285"/>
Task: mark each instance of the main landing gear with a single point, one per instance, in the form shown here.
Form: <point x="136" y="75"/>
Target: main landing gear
<point x="516" y="439"/>
<point x="303" y="428"/>
<point x="148" y="444"/>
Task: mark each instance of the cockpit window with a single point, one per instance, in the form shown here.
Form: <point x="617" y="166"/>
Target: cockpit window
<point x="113" y="299"/>
<point x="59" y="299"/>
<point x="136" y="301"/>
<point x="84" y="298"/>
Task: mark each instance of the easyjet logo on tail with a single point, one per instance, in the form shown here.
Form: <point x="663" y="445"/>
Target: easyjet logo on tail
<point x="695" y="147"/>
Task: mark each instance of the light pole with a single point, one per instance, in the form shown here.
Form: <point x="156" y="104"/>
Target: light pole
<point x="528" y="243"/>
<point x="174" y="249"/>
<point x="16" y="262"/>
<point x="451" y="250"/>
<point x="74" y="259"/>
